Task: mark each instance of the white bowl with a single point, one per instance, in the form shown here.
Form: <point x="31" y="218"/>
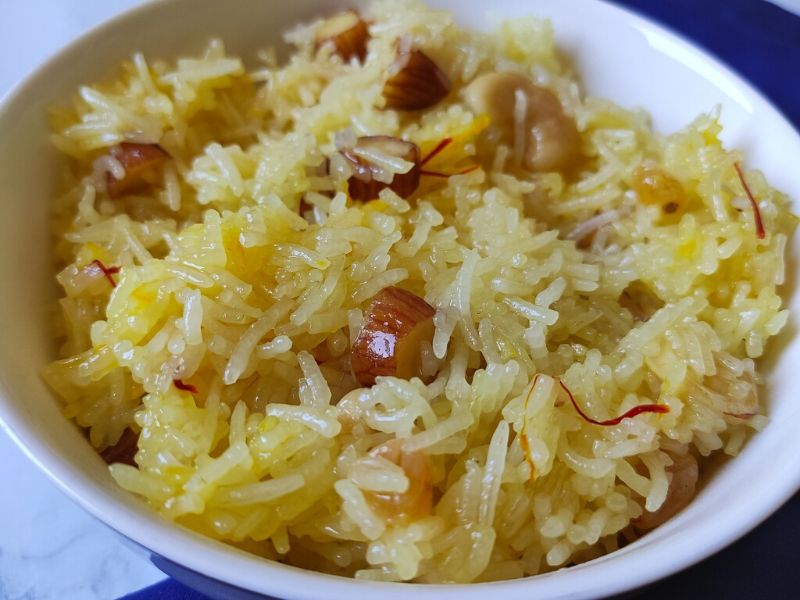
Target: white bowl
<point x="617" y="54"/>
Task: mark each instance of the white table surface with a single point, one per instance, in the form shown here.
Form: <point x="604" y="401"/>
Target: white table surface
<point x="49" y="548"/>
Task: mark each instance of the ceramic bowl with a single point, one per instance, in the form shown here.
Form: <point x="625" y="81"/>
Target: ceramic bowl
<point x="616" y="53"/>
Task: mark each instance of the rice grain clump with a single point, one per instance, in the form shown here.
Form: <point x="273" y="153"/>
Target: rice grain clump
<point x="553" y="312"/>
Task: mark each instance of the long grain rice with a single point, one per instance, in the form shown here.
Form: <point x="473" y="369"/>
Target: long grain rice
<point x="246" y="272"/>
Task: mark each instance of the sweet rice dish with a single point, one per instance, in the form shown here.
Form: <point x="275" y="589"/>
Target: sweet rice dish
<point x="405" y="304"/>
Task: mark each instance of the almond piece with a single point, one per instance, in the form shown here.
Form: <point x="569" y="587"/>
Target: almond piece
<point x="682" y="489"/>
<point x="417" y="501"/>
<point x="364" y="185"/>
<point x="415" y="82"/>
<point x="347" y="33"/>
<point x="137" y="160"/>
<point x="394" y="328"/>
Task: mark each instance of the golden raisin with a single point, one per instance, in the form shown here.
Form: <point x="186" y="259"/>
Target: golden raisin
<point x="124" y="451"/>
<point x="653" y="186"/>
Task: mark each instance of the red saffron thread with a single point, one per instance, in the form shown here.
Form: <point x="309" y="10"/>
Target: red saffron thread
<point x="468" y="169"/>
<point x="524" y="442"/>
<point x="642" y="408"/>
<point x="463" y="171"/>
<point x="756" y="212"/>
<point x="186" y="387"/>
<point x="437" y="149"/>
<point x="107" y="271"/>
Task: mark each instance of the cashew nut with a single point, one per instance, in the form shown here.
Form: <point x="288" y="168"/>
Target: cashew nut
<point x="530" y="118"/>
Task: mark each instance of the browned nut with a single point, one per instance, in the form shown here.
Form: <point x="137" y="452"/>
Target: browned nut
<point x="415" y="82"/>
<point x="682" y="489"/>
<point x="548" y="137"/>
<point x="346" y="33"/>
<point x="390" y="339"/>
<point x="137" y="160"/>
<point x="417" y="501"/>
<point x="363" y="185"/>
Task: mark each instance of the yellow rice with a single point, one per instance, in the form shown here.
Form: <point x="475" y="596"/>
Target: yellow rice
<point x="225" y="285"/>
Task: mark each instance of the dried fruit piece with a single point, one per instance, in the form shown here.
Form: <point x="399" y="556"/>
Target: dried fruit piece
<point x="734" y="394"/>
<point x="372" y="158"/>
<point x="124" y="450"/>
<point x="346" y="33"/>
<point x="640" y="301"/>
<point x="417" y="501"/>
<point x="137" y="160"/>
<point x="529" y="118"/>
<point x="186" y="387"/>
<point x="415" y="82"/>
<point x="654" y="186"/>
<point x="682" y="487"/>
<point x="394" y="328"/>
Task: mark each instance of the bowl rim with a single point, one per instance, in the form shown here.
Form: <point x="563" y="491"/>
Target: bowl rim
<point x="193" y="551"/>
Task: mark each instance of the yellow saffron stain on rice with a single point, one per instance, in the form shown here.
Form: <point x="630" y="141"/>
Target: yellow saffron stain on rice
<point x="376" y="206"/>
<point x="142" y="295"/>
<point x="507" y="349"/>
<point x="456" y="151"/>
<point x="233" y="249"/>
<point x="711" y="133"/>
<point x="267" y="424"/>
<point x="687" y="248"/>
<point x="89" y="252"/>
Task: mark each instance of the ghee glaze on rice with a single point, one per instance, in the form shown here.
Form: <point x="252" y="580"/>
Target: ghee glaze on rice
<point x="409" y="306"/>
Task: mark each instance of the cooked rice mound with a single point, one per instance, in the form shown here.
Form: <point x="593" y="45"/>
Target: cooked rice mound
<point x="211" y="312"/>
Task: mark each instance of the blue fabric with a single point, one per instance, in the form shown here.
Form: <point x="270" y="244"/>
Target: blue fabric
<point x="762" y="43"/>
<point x="169" y="589"/>
<point x="759" y="40"/>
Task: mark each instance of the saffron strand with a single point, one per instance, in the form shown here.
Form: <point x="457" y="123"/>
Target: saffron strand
<point x="756" y="211"/>
<point x="636" y="410"/>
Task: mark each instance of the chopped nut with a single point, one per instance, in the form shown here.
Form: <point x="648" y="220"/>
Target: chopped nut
<point x="733" y="394"/>
<point x="124" y="450"/>
<point x="347" y="33"/>
<point x="415" y="82"/>
<point x="389" y="342"/>
<point x="682" y="487"/>
<point x="137" y="160"/>
<point x="417" y="501"/>
<point x="364" y="184"/>
<point x="529" y="118"/>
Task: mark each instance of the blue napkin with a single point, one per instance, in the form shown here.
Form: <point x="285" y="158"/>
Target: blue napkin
<point x="169" y="589"/>
<point x="759" y="40"/>
<point x="762" y="43"/>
